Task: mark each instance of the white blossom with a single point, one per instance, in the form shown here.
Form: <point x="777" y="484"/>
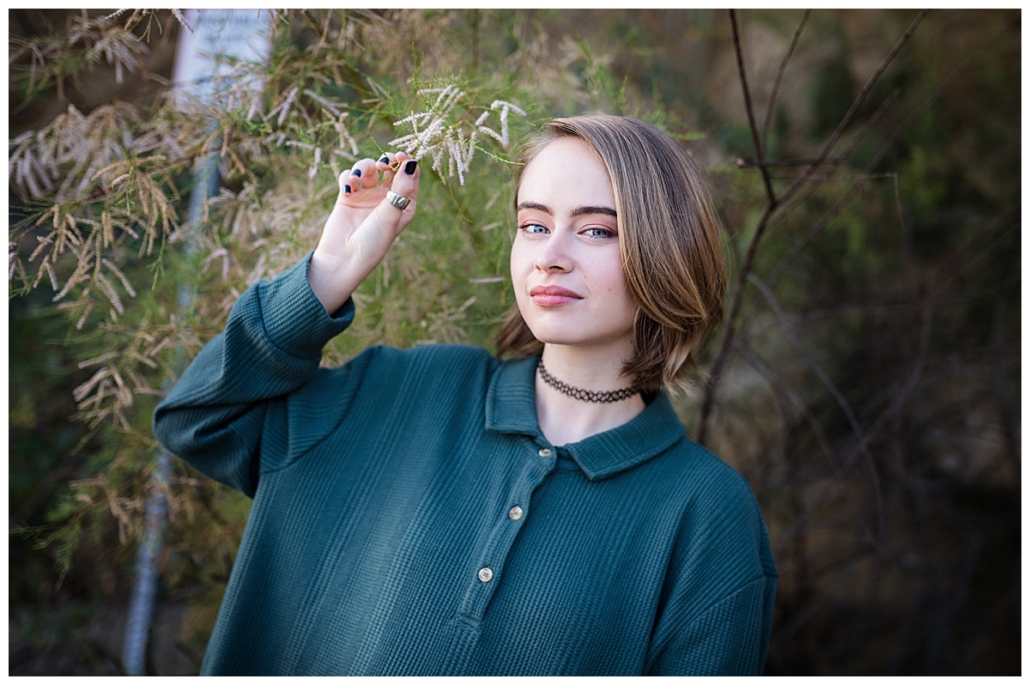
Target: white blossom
<point x="442" y="132"/>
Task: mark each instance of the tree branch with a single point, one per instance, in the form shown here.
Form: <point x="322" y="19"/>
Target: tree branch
<point x="748" y="161"/>
<point x="901" y="397"/>
<point x="750" y="111"/>
<point x="832" y="142"/>
<point x="785" y="260"/>
<point x="773" y="202"/>
<point x="828" y="383"/>
<point x="781" y="386"/>
<point x="779" y="76"/>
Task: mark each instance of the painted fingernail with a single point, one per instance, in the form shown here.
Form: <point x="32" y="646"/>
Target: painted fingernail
<point x="357" y="172"/>
<point x="385" y="160"/>
<point x="346" y="189"/>
<point x="409" y="168"/>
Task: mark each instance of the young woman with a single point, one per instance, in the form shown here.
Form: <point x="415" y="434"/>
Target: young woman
<point x="439" y="511"/>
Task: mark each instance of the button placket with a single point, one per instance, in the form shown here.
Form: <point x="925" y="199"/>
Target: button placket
<point x="489" y="569"/>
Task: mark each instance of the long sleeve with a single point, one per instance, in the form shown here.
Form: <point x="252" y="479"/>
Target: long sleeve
<point x="232" y="407"/>
<point x="717" y="615"/>
<point x="730" y="638"/>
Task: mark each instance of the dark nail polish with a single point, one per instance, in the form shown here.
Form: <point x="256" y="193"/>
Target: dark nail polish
<point x="346" y="189"/>
<point x="409" y="168"/>
<point x="357" y="172"/>
<point x="385" y="160"/>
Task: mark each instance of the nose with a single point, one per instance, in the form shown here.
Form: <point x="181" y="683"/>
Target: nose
<point x="553" y="255"/>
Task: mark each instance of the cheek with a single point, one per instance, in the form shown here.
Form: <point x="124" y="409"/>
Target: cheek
<point x="623" y="306"/>
<point x="615" y="276"/>
<point x="518" y="262"/>
<point x="519" y="276"/>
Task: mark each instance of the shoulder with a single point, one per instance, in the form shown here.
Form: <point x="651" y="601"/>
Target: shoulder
<point x="705" y="477"/>
<point x="719" y="515"/>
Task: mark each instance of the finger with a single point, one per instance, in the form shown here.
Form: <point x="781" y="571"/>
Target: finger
<point x="344" y="181"/>
<point x="405" y="181"/>
<point x="362" y="175"/>
<point x="390" y="160"/>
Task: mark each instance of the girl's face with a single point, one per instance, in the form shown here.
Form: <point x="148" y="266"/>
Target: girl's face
<point x="565" y="262"/>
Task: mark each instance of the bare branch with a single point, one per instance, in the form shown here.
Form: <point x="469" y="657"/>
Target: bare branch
<point x="901" y="397"/>
<point x="779" y="76"/>
<point x="750" y="111"/>
<point x="747" y="162"/>
<point x="773" y="202"/>
<point x="782" y="387"/>
<point x="788" y="206"/>
<point x="814" y="230"/>
<point x="832" y="142"/>
<point x="828" y="383"/>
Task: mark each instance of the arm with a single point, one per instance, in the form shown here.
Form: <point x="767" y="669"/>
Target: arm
<point x="729" y="638"/>
<point x="231" y="410"/>
<point x="716" y="613"/>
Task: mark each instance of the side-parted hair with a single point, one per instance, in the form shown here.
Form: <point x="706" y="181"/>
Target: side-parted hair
<point x="669" y="238"/>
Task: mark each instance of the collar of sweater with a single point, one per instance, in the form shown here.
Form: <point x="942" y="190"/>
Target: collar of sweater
<point x="511" y="408"/>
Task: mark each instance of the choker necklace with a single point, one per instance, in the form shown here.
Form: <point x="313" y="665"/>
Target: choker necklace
<point x="585" y="395"/>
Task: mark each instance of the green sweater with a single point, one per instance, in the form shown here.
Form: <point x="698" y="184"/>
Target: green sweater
<point x="409" y="518"/>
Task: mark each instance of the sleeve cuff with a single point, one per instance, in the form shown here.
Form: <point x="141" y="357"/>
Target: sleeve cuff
<point x="295" y="321"/>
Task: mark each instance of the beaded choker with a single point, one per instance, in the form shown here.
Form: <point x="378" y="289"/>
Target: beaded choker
<point x="586" y="395"/>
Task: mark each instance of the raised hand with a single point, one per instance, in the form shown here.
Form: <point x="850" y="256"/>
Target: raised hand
<point x="362" y="226"/>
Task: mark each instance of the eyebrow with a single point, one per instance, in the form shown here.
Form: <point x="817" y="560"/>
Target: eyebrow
<point x="578" y="211"/>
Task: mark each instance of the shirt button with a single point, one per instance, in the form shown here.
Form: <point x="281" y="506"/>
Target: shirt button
<point x="545" y="452"/>
<point x="515" y="513"/>
<point x="485" y="574"/>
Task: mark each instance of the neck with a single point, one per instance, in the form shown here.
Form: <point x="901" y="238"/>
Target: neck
<point x="564" y="419"/>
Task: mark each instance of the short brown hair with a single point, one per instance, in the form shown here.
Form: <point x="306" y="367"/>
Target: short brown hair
<point x="669" y="238"/>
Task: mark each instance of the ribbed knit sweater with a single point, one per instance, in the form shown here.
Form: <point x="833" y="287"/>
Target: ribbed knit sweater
<point x="410" y="518"/>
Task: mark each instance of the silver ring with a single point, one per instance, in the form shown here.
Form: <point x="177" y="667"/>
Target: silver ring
<point x="396" y="199"/>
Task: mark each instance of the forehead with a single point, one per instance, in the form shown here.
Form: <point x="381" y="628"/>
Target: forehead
<point x="566" y="173"/>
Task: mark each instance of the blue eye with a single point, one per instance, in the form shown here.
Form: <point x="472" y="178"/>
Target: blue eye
<point x="535" y="229"/>
<point x="599" y="233"/>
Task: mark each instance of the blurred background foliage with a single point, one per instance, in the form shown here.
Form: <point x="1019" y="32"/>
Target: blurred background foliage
<point x="868" y="388"/>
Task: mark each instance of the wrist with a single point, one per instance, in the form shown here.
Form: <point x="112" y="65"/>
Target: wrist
<point x="332" y="278"/>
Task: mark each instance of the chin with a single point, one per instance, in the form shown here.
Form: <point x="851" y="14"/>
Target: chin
<point x="548" y="328"/>
<point x="563" y="327"/>
<point x="569" y="335"/>
<point x="548" y="335"/>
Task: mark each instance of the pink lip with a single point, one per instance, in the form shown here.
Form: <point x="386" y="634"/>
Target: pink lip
<point x="553" y="296"/>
